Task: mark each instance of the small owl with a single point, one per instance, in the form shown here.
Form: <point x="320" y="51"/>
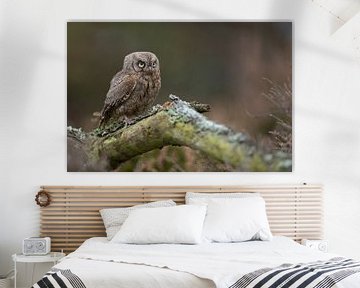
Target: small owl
<point x="133" y="89"/>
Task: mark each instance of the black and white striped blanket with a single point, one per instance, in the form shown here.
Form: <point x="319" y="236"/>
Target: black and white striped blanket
<point x="57" y="278"/>
<point x="320" y="274"/>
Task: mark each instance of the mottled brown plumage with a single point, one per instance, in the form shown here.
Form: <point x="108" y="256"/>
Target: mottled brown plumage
<point x="133" y="89"/>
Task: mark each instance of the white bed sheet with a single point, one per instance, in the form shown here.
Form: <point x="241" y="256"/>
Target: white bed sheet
<point x="101" y="274"/>
<point x="100" y="263"/>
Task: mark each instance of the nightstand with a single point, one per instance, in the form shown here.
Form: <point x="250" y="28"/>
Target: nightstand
<point x="320" y="245"/>
<point x="53" y="257"/>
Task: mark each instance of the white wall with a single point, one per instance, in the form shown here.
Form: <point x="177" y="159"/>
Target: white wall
<point x="33" y="107"/>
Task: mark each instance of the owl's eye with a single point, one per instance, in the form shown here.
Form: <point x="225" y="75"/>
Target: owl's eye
<point x="141" y="64"/>
<point x="154" y="64"/>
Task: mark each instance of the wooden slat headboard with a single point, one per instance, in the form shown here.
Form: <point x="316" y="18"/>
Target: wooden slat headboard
<point x="73" y="215"/>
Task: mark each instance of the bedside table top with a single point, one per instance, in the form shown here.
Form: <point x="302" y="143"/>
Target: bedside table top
<point x="51" y="257"/>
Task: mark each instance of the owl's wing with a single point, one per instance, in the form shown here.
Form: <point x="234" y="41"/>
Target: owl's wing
<point x="120" y="90"/>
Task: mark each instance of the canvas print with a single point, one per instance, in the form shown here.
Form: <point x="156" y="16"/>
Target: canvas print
<point x="179" y="96"/>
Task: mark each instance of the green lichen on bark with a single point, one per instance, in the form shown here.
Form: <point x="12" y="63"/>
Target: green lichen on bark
<point x="176" y="123"/>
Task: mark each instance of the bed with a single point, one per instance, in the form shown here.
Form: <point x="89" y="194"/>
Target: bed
<point x="295" y="211"/>
<point x="99" y="263"/>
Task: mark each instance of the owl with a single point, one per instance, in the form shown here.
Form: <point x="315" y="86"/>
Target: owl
<point x="133" y="89"/>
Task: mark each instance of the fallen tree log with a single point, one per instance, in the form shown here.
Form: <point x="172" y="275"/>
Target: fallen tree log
<point x="177" y="123"/>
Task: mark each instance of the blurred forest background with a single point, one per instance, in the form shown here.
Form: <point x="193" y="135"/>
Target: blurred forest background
<point x="242" y="69"/>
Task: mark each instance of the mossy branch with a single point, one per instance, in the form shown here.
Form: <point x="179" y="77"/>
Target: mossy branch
<point x="177" y="123"/>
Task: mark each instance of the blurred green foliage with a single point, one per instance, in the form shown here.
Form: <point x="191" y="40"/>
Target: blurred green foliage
<point x="222" y="64"/>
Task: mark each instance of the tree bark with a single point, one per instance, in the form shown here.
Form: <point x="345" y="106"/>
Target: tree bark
<point x="177" y="123"/>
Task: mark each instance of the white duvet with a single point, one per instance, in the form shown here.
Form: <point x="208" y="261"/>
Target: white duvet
<point x="100" y="263"/>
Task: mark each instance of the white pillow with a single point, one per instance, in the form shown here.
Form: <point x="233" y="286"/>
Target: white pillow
<point x="236" y="220"/>
<point x="204" y="198"/>
<point x="180" y="224"/>
<point x="113" y="218"/>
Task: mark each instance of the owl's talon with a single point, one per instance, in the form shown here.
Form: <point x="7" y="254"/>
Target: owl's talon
<point x="127" y="122"/>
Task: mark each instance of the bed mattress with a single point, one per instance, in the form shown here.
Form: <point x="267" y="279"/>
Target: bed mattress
<point x="99" y="263"/>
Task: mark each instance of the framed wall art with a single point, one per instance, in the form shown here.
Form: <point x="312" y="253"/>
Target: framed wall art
<point x="179" y="96"/>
